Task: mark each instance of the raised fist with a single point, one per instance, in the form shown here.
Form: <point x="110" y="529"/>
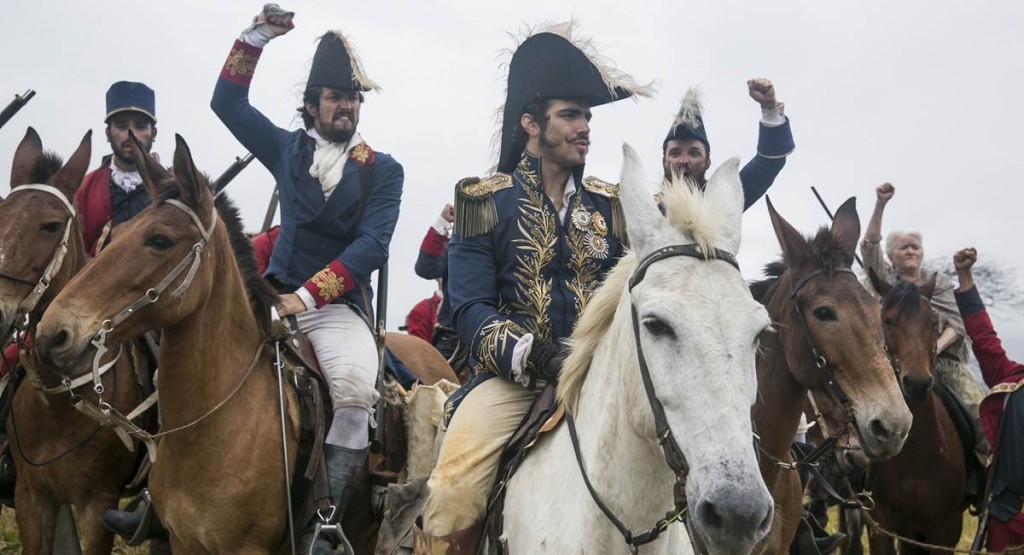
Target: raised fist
<point x="448" y="213"/>
<point x="277" y="21"/>
<point x="763" y="92"/>
<point x="885" y="191"/>
<point x="964" y="259"/>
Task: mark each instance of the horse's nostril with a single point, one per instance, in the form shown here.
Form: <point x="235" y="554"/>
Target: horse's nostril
<point x="878" y="429"/>
<point x="709" y="515"/>
<point x="766" y="520"/>
<point x="57" y="341"/>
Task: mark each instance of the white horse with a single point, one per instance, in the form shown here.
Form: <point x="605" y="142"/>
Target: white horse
<point x="699" y="329"/>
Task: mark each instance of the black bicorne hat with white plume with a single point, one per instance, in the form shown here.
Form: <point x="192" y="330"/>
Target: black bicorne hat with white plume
<point x="553" y="63"/>
<point x="336" y="65"/>
<point x="689" y="123"/>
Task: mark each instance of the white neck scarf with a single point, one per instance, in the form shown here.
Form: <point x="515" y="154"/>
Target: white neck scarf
<point x="329" y="160"/>
<point x="126" y="181"/>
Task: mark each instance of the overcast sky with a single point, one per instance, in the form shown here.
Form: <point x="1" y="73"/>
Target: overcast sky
<point x="925" y="94"/>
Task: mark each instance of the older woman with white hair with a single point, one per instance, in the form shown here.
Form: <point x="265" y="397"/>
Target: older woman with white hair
<point x="903" y="260"/>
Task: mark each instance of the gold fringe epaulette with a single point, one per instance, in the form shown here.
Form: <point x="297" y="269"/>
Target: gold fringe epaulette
<point x="475" y="212"/>
<point x="611" y="191"/>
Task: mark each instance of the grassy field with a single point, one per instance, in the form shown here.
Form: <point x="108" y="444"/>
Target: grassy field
<point x="966" y="536"/>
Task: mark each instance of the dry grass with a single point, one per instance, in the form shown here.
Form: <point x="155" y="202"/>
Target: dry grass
<point x="966" y="536"/>
<point x="10" y="543"/>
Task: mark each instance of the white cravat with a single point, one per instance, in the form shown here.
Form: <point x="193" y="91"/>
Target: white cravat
<point x="126" y="181"/>
<point x="329" y="160"/>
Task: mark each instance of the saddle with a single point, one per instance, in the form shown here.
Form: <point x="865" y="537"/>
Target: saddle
<point x="544" y="416"/>
<point x="962" y="421"/>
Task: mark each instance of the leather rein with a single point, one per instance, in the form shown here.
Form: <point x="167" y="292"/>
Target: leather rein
<point x="673" y="454"/>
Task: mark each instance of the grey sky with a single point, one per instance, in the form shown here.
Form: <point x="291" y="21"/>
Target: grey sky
<point x="925" y="94"/>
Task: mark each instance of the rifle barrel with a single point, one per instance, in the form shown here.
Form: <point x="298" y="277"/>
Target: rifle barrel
<point x="17" y="104"/>
<point x="232" y="172"/>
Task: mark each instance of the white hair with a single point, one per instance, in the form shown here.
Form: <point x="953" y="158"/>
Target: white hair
<point x="890" y="240"/>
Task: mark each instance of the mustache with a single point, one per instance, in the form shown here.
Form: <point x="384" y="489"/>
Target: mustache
<point x="581" y="137"/>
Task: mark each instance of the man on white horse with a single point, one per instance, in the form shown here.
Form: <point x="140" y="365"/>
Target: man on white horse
<point x="686" y="150"/>
<point x="530" y="246"/>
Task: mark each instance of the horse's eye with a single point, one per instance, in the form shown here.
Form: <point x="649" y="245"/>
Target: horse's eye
<point x="888" y="322"/>
<point x="824" y="314"/>
<point x="51" y="227"/>
<point x="159" y="242"/>
<point x="658" y="328"/>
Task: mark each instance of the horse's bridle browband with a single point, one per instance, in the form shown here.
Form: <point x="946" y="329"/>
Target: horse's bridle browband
<point x="674" y="456"/>
<point x="28" y="304"/>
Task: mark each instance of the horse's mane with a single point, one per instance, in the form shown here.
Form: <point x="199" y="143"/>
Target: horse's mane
<point x="44" y="167"/>
<point x="905" y="296"/>
<point x="261" y="295"/>
<point x="687" y="211"/>
<point x="591" y="328"/>
<point x="761" y="288"/>
<point x="828" y="251"/>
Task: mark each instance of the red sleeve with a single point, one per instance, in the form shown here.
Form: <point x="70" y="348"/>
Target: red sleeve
<point x="418" y="323"/>
<point x="995" y="366"/>
<point x="433" y="243"/>
<point x="263" y="245"/>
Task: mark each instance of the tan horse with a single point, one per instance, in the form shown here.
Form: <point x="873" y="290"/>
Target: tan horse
<point x="218" y="483"/>
<point x="61" y="456"/>
<point x="828" y="340"/>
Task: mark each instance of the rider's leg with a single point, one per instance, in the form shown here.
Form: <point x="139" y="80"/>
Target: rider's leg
<point x="468" y="461"/>
<point x="957" y="377"/>
<point x="347" y="353"/>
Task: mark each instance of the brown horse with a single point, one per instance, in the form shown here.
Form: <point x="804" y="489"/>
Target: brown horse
<point x="828" y="340"/>
<point x="919" y="493"/>
<point x="218" y="482"/>
<point x="61" y="456"/>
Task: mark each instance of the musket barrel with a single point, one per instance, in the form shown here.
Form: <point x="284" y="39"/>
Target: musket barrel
<point x="232" y="172"/>
<point x="17" y="104"/>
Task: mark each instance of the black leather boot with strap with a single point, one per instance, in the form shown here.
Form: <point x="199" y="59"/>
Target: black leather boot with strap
<point x="344" y="467"/>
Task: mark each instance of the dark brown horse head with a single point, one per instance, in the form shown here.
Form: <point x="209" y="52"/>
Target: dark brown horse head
<point x="910" y="325"/>
<point x="148" y="250"/>
<point x="830" y="333"/>
<point x="34" y="222"/>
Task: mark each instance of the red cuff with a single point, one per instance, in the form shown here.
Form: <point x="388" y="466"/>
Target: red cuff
<point x="330" y="283"/>
<point x="433" y="243"/>
<point x="241" y="64"/>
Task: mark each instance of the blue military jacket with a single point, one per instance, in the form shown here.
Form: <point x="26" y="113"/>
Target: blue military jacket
<point x="433" y="265"/>
<point x="321" y="246"/>
<point x="774" y="144"/>
<point x="514" y="268"/>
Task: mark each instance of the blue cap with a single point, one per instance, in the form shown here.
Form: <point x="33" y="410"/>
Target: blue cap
<point x="125" y="96"/>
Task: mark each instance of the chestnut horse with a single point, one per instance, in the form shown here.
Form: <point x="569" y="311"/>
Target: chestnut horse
<point x="61" y="456"/>
<point x="186" y="266"/>
<point x="919" y="494"/>
<point x="828" y="340"/>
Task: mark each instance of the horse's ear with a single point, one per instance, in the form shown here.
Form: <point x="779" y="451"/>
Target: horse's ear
<point x="928" y="289"/>
<point x="846" y="226"/>
<point x="795" y="250"/>
<point x="643" y="220"/>
<point x="194" y="187"/>
<point x="69" y="177"/>
<point x="882" y="286"/>
<point x="29" y="150"/>
<point x="149" y="169"/>
<point x="724" y="192"/>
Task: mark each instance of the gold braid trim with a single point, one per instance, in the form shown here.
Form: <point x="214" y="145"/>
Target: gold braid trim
<point x="611" y="192"/>
<point x="475" y="212"/>
<point x="494" y="341"/>
<point x="535" y="249"/>
<point x="584" y="268"/>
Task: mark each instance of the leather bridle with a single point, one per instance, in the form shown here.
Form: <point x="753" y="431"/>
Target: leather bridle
<point x="674" y="456"/>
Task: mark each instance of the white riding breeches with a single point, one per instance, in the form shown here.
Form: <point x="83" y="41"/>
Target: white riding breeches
<point x="347" y="353"/>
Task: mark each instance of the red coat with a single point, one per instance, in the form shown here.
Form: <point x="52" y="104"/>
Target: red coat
<point x="263" y="245"/>
<point x="94" y="209"/>
<point x="1000" y="375"/>
<point x="423" y="317"/>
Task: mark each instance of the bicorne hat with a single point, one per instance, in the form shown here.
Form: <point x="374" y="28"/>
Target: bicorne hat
<point x="127" y="96"/>
<point x="336" y="65"/>
<point x="553" y="63"/>
<point x="689" y="124"/>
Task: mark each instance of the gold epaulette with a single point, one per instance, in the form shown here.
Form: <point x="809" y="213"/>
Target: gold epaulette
<point x="611" y="191"/>
<point x="475" y="212"/>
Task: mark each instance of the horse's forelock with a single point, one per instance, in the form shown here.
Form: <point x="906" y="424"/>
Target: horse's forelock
<point x="590" y="330"/>
<point x="687" y="211"/>
<point x="905" y="296"/>
<point x="45" y="167"/>
<point x="829" y="253"/>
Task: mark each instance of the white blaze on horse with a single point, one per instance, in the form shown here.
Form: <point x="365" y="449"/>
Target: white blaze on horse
<point x="698" y="328"/>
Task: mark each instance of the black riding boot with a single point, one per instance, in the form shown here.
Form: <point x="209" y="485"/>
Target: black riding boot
<point x="138" y="522"/>
<point x="343" y="469"/>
